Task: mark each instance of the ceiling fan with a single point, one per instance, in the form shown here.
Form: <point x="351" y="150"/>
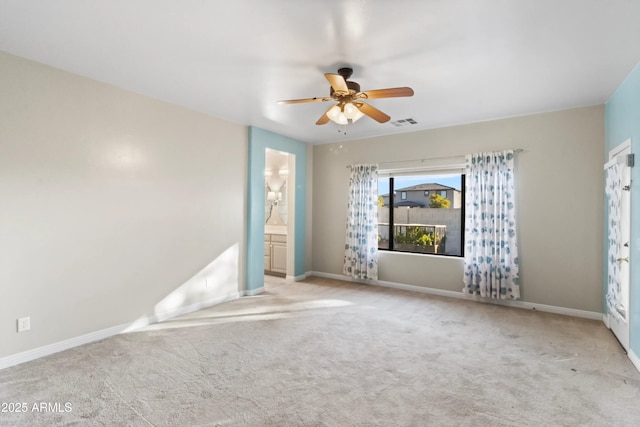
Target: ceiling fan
<point x="349" y="97"/>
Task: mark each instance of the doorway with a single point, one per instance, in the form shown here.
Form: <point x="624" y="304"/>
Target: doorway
<point x="259" y="141"/>
<point x="279" y="226"/>
<point x="618" y="191"/>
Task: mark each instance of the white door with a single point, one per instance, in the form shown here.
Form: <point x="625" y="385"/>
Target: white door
<point x="618" y="301"/>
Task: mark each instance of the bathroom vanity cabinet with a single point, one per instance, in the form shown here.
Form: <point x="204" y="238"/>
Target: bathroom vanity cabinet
<point x="275" y="254"/>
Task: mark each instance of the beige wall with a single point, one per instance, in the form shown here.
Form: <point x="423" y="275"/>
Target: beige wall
<point x="559" y="192"/>
<point x="111" y="206"/>
<point x="308" y="262"/>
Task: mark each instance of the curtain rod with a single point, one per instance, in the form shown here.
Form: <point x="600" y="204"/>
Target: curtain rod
<point x="515" y="150"/>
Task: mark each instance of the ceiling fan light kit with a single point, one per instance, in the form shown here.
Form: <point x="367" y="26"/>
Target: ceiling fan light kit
<point x="350" y="108"/>
<point x="344" y="112"/>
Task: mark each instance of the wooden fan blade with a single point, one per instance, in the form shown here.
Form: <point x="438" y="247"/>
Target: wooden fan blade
<point x="324" y="119"/>
<point x="300" y="101"/>
<point x="337" y="82"/>
<point x="386" y="93"/>
<point x="373" y="112"/>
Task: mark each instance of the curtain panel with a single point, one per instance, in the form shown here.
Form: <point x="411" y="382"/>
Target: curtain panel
<point x="361" y="240"/>
<point x="491" y="252"/>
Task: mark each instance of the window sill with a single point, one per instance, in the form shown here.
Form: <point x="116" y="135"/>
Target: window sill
<point x="442" y="256"/>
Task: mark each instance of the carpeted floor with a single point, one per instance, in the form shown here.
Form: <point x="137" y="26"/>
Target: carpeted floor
<point x="329" y="353"/>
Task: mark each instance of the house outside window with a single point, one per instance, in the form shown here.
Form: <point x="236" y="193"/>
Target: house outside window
<point x="427" y="217"/>
<point x="418" y="193"/>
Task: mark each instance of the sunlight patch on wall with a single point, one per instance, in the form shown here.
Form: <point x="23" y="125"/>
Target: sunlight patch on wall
<point x="218" y="278"/>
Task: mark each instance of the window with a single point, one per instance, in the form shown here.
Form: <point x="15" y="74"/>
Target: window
<point x="434" y="225"/>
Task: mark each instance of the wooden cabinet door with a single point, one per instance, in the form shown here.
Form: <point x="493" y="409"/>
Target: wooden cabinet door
<point x="279" y="257"/>
<point x="267" y="252"/>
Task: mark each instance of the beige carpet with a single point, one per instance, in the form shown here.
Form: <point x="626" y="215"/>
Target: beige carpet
<point x="322" y="352"/>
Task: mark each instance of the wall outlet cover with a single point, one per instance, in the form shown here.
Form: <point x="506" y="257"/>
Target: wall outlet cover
<point x="24" y="324"/>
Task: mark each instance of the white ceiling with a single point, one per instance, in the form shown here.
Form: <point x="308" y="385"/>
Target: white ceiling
<point x="467" y="60"/>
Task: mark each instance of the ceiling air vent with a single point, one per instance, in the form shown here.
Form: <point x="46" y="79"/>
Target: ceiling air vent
<point x="404" y="122"/>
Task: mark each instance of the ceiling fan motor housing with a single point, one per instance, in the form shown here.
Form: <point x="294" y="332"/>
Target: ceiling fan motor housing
<point x="353" y="88"/>
<point x="345" y="72"/>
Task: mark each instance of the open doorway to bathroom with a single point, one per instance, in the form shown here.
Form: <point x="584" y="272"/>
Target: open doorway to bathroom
<point x="296" y="222"/>
<point x="279" y="216"/>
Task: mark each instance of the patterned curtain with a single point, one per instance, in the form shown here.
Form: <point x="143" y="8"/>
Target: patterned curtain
<point x="361" y="242"/>
<point x="613" y="190"/>
<point x="491" y="252"/>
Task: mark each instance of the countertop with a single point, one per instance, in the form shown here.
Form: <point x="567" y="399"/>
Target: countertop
<point x="275" y="229"/>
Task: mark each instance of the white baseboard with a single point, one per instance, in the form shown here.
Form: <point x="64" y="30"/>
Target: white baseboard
<point x="161" y="317"/>
<point x="453" y="294"/>
<point x="330" y="276"/>
<point x="36" y="353"/>
<point x="252" y="292"/>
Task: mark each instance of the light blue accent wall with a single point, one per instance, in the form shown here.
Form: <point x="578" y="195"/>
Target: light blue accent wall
<point x="622" y="121"/>
<point x="259" y="141"/>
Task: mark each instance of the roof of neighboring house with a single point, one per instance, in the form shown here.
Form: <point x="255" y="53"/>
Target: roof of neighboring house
<point x="425" y="187"/>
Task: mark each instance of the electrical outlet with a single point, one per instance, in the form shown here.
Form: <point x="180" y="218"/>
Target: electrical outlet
<point x="24" y="324"/>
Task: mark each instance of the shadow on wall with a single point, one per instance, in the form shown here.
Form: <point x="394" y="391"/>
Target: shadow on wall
<point x="215" y="283"/>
